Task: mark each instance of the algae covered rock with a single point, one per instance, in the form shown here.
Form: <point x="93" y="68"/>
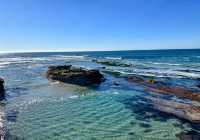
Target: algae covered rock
<point x="111" y="62"/>
<point x="75" y="75"/>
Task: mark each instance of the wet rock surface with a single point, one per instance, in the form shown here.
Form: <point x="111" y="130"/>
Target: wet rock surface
<point x="163" y="88"/>
<point x="75" y="75"/>
<point x="184" y="111"/>
<point x="177" y="91"/>
<point x="2" y="90"/>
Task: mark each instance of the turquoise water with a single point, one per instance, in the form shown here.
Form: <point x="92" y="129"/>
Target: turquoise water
<point x="38" y="109"/>
<point x="98" y="116"/>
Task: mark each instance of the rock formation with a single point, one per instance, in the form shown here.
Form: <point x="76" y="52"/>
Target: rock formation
<point x="2" y="88"/>
<point x="74" y="75"/>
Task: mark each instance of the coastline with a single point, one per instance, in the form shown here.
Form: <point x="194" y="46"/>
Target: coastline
<point x="143" y="88"/>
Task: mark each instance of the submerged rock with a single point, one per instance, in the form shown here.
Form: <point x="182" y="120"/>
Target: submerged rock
<point x="113" y="73"/>
<point x="198" y="85"/>
<point x="74" y="75"/>
<point x="116" y="83"/>
<point x="2" y="88"/>
<point x="136" y="79"/>
<point x="180" y="110"/>
<point x="112" y="63"/>
<point x="190" y="135"/>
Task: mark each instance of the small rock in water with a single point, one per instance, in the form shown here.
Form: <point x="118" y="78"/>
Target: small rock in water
<point x="198" y="85"/>
<point x="152" y="81"/>
<point x="135" y="79"/>
<point x="2" y="90"/>
<point x="116" y="83"/>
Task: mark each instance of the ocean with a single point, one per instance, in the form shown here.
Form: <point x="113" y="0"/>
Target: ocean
<point x="39" y="109"/>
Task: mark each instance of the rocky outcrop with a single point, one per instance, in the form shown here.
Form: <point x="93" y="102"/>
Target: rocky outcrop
<point x="180" y="110"/>
<point x="163" y="88"/>
<point x="74" y="75"/>
<point x="2" y="88"/>
<point x="177" y="91"/>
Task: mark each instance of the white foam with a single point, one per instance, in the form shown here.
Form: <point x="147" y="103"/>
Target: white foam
<point x="73" y="97"/>
<point x="116" y="93"/>
<point x="55" y="83"/>
<point x="171" y="64"/>
<point x="114" y="58"/>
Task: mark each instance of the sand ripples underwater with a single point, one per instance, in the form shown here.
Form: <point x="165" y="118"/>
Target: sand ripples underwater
<point x="37" y="109"/>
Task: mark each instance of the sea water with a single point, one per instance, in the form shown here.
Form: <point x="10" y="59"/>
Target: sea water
<point x="38" y="109"/>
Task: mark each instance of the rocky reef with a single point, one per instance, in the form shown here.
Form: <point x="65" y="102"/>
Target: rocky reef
<point x="112" y="62"/>
<point x="75" y="75"/>
<point x="181" y="110"/>
<point x="163" y="88"/>
<point x="185" y="111"/>
<point x="2" y="88"/>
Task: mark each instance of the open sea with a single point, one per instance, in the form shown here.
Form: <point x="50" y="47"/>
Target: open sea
<point x="38" y="109"/>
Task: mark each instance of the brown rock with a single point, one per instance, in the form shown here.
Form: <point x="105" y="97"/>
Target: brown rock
<point x="136" y="79"/>
<point x="152" y="81"/>
<point x="178" y="91"/>
<point x="180" y="110"/>
<point x="162" y="88"/>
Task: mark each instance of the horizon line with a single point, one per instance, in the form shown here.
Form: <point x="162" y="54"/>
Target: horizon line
<point x="49" y="51"/>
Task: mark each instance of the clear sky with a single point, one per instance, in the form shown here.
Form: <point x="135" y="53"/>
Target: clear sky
<point x="78" y="25"/>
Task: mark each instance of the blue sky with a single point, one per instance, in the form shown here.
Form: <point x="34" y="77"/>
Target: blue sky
<point x="79" y="25"/>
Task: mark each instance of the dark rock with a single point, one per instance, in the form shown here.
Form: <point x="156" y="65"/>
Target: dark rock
<point x="2" y="90"/>
<point x="198" y="85"/>
<point x="116" y="83"/>
<point x="151" y="81"/>
<point x="135" y="79"/>
<point x="74" y="75"/>
<point x="190" y="135"/>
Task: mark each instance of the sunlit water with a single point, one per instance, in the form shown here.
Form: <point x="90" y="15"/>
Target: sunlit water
<point x="38" y="109"/>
